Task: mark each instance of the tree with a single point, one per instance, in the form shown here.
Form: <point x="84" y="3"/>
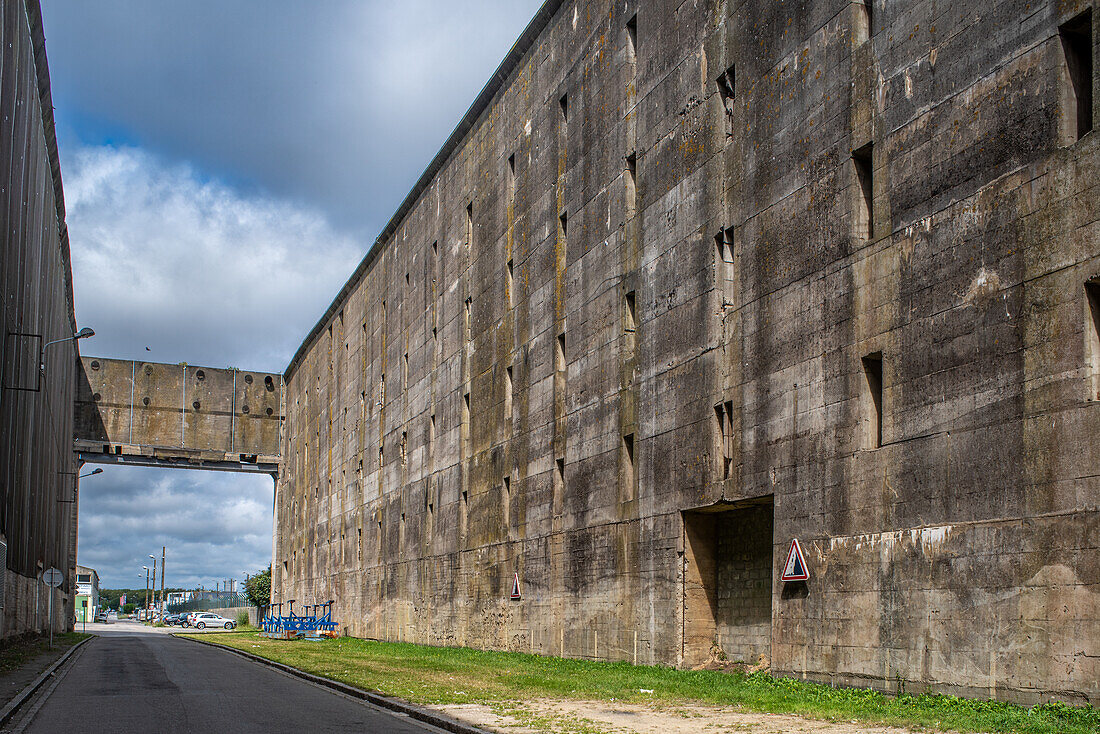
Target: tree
<point x="258" y="588"/>
<point x="128" y="609"/>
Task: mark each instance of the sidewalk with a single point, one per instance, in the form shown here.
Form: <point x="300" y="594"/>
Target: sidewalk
<point x="23" y="673"/>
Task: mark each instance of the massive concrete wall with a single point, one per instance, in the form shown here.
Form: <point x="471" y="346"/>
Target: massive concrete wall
<point x="37" y="466"/>
<point x="686" y="263"/>
<point x="178" y="415"/>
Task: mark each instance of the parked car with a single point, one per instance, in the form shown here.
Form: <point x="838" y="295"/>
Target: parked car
<point x="171" y="619"/>
<point x="101" y="615"/>
<point x="209" y="619"/>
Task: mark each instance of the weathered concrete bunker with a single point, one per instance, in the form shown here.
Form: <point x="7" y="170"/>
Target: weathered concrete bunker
<point x="692" y="280"/>
<point x="178" y="416"/>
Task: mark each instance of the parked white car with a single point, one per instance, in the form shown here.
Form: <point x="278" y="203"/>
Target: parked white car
<point x="209" y="619"/>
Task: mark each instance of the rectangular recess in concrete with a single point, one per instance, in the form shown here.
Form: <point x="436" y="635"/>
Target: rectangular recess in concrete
<point x="872" y="371"/>
<point x="1092" y="336"/>
<point x="863" y="214"/>
<point x="728" y="551"/>
<point x="1076" y="37"/>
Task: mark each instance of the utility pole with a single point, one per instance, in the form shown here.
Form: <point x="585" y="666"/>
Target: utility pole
<point x="146" y="604"/>
<point x="162" y="552"/>
<point x="154" y="579"/>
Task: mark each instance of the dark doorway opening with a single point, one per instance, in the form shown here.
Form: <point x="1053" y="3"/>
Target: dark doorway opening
<point x="728" y="551"/>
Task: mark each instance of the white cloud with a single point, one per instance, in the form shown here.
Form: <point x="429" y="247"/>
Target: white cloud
<point x="198" y="272"/>
<point x="192" y="268"/>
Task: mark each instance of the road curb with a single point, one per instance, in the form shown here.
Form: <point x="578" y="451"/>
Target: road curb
<point x="21" y="698"/>
<point x="419" y="713"/>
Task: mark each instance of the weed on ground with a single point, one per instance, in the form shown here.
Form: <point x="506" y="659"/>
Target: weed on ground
<point x="16" y="651"/>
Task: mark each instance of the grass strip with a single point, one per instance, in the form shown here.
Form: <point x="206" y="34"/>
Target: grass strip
<point x="18" y="650"/>
<point x="436" y="675"/>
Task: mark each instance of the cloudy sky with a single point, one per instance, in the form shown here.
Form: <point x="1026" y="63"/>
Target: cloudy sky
<point x="226" y="165"/>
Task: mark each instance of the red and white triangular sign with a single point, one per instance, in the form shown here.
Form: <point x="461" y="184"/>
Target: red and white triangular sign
<point x="515" y="586"/>
<point x="795" y="568"/>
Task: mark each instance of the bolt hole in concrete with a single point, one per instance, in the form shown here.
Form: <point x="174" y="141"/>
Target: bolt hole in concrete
<point x="270" y="411"/>
<point x="95" y="364"/>
<point x="269" y="384"/>
<point x="148" y="369"/>
<point x="97" y="397"/>
<point x="248" y="379"/>
<point x="195" y="405"/>
<point x="145" y="401"/>
<point x="200" y="375"/>
<point x="244" y="409"/>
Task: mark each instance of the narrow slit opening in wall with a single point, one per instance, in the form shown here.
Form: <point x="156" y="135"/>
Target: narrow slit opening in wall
<point x="466" y="314"/>
<point x="723" y="242"/>
<point x="431" y="435"/>
<point x="1076" y="37"/>
<point x="1092" y="333"/>
<point x="563" y="104"/>
<point x="408" y="281"/>
<point x="723" y="413"/>
<point x="872" y="370"/>
<point x="511" y="174"/>
<point x="563" y="221"/>
<point x="632" y="37"/>
<point x="435" y="247"/>
<point x="559" y="353"/>
<point x="509" y="276"/>
<point x="506" y="500"/>
<point x="630" y="180"/>
<point x="629" y="464"/>
<point x="466" y="414"/>
<point x="463" y="511"/>
<point x="559" y="474"/>
<point x="404" y="448"/>
<point x="630" y="314"/>
<point x="359" y="543"/>
<point x="863" y="222"/>
<point x="470" y="224"/>
<point x="508" y="392"/>
<point x="727" y="89"/>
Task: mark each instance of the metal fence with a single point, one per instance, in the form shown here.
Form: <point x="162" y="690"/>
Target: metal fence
<point x="219" y="600"/>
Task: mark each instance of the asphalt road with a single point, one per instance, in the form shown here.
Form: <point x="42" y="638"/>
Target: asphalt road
<point x="135" y="679"/>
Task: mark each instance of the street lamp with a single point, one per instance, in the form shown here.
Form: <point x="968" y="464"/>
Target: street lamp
<point x="82" y="334"/>
<point x="145" y="606"/>
<point x="76" y="484"/>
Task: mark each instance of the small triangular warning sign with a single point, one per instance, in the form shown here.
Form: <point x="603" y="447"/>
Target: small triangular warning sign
<point x="795" y="568"/>
<point x="515" y="586"/>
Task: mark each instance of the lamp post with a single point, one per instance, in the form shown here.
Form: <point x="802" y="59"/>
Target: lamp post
<point x="145" y="606"/>
<point x="154" y="579"/>
<point x="82" y="334"/>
